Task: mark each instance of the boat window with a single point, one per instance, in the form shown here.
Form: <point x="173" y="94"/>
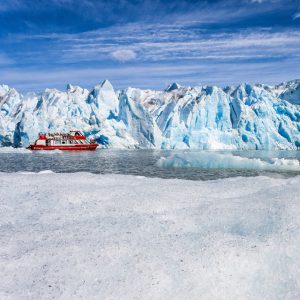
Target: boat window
<point x="63" y="142"/>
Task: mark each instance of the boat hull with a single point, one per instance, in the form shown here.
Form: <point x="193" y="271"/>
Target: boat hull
<point x="78" y="147"/>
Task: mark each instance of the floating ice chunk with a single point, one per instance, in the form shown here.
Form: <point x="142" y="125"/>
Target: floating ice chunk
<point x="46" y="172"/>
<point x="26" y="173"/>
<point x="34" y="173"/>
<point x="213" y="160"/>
<point x="56" y="151"/>
<point x="14" y="150"/>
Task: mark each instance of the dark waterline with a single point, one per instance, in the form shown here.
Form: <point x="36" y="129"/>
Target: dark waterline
<point x="133" y="162"/>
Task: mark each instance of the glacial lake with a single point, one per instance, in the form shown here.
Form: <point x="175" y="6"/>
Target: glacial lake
<point x="147" y="163"/>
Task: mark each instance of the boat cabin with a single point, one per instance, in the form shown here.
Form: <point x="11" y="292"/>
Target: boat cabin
<point x="75" y="137"/>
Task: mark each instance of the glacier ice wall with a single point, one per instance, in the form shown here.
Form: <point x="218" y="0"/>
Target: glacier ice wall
<point x="202" y="117"/>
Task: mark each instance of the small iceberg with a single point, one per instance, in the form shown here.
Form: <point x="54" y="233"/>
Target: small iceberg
<point x="46" y="172"/>
<point x="213" y="160"/>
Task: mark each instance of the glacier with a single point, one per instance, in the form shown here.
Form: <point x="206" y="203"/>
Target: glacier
<point x="246" y="116"/>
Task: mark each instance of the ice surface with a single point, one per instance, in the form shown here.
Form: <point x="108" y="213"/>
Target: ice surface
<point x="84" y="236"/>
<point x="202" y="117"/>
<point x="215" y="160"/>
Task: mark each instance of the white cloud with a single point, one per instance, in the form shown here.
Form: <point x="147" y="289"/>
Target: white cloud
<point x="297" y="15"/>
<point x="279" y="2"/>
<point x="172" y="42"/>
<point x="124" y="55"/>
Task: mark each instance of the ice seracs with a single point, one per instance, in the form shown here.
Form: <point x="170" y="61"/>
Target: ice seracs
<point x="291" y="92"/>
<point x="173" y="86"/>
<point x="202" y="117"/>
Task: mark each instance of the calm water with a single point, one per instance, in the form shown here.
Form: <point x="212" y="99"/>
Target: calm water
<point x="134" y="162"/>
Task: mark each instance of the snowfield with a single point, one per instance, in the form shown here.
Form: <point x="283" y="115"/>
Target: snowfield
<point x="85" y="236"/>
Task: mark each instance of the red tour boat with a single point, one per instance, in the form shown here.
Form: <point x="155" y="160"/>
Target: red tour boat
<point x="74" y="140"/>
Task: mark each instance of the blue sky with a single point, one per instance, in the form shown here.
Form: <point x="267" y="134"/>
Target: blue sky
<point x="147" y="44"/>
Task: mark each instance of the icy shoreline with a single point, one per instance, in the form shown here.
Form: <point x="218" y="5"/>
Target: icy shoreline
<point x="80" y="235"/>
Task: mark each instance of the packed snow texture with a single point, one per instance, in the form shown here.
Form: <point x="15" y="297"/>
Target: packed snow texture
<point x="215" y="160"/>
<point x="85" y="236"/>
<point x="202" y="117"/>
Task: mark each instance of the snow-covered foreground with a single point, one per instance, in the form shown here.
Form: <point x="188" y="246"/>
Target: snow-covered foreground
<point x="85" y="236"/>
